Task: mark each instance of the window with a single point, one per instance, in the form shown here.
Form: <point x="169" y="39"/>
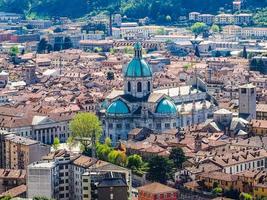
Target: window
<point x="139" y="87"/>
<point x="167" y="125"/>
<point x="119" y="126"/>
<point x="129" y="87"/>
<point x="148" y="86"/>
<point x="127" y="126"/>
<point x="110" y="126"/>
<point x="243" y="91"/>
<point x="158" y="126"/>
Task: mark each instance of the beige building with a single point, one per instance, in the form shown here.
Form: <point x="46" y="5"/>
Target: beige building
<point x="20" y="151"/>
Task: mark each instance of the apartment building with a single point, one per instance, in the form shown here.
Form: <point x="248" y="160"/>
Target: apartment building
<point x="72" y="179"/>
<point x="43" y="179"/>
<point x="19" y="151"/>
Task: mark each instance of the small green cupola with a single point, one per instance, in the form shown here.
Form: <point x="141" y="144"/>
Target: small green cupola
<point x="166" y="106"/>
<point x="118" y="107"/>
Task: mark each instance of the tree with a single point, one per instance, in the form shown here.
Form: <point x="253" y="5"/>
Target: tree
<point x="70" y="142"/>
<point x="117" y="157"/>
<point x="67" y="43"/>
<point x="160" y="31"/>
<point x="198" y="28"/>
<point x="178" y="157"/>
<point x="103" y="150"/>
<point x="218" y="54"/>
<point x="56" y="143"/>
<point x="41" y="198"/>
<point x="210" y="49"/>
<point x="217" y="191"/>
<point x="110" y="75"/>
<point x="245" y="196"/>
<point x="98" y="49"/>
<point x="42" y="45"/>
<point x="14" y="51"/>
<point x="160" y="169"/>
<point x="86" y="128"/>
<point x="8" y="197"/>
<point x="197" y="54"/>
<point x="136" y="164"/>
<point x="215" y="28"/>
<point x="244" y="53"/>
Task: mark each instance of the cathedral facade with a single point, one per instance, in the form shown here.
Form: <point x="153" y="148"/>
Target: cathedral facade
<point x="140" y="105"/>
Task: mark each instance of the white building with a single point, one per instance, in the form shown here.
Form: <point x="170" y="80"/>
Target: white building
<point x="42" y="179"/>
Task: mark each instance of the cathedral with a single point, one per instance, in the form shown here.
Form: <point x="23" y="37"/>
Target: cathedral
<point x="140" y="105"/>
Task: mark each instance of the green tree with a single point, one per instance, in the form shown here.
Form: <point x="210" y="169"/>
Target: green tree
<point x="98" y="49"/>
<point x="245" y="196"/>
<point x="197" y="53"/>
<point x="103" y="150"/>
<point x="244" y="53"/>
<point x="8" y="197"/>
<point x="14" y="51"/>
<point x="71" y="142"/>
<point x="136" y="164"/>
<point x="86" y="128"/>
<point x="198" y="28"/>
<point x="218" y="54"/>
<point x="41" y="198"/>
<point x="178" y="157"/>
<point x="67" y="43"/>
<point x="42" y="45"/>
<point x="56" y="143"/>
<point x="160" y="169"/>
<point x="117" y="157"/>
<point x="217" y="191"/>
<point x="161" y="31"/>
<point x="215" y="28"/>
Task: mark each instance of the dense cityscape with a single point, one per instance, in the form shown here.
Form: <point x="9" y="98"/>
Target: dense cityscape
<point x="133" y="100"/>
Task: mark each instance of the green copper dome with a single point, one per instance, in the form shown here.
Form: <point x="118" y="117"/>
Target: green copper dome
<point x="118" y="107"/>
<point x="166" y="106"/>
<point x="138" y="67"/>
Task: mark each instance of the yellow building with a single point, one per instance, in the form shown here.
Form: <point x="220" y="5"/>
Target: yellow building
<point x="260" y="191"/>
<point x="225" y="181"/>
<point x="261" y="112"/>
<point x="258" y="127"/>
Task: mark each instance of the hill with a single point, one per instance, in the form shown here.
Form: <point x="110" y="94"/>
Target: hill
<point x="158" y="10"/>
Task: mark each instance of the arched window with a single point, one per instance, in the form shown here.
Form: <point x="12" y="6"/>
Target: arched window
<point x="139" y="87"/>
<point x="148" y="86"/>
<point x="129" y="87"/>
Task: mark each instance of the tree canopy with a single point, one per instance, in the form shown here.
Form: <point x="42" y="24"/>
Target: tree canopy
<point x="199" y="28"/>
<point x="158" y="10"/>
<point x="86" y="128"/>
<point x="178" y="157"/>
<point x="160" y="169"/>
